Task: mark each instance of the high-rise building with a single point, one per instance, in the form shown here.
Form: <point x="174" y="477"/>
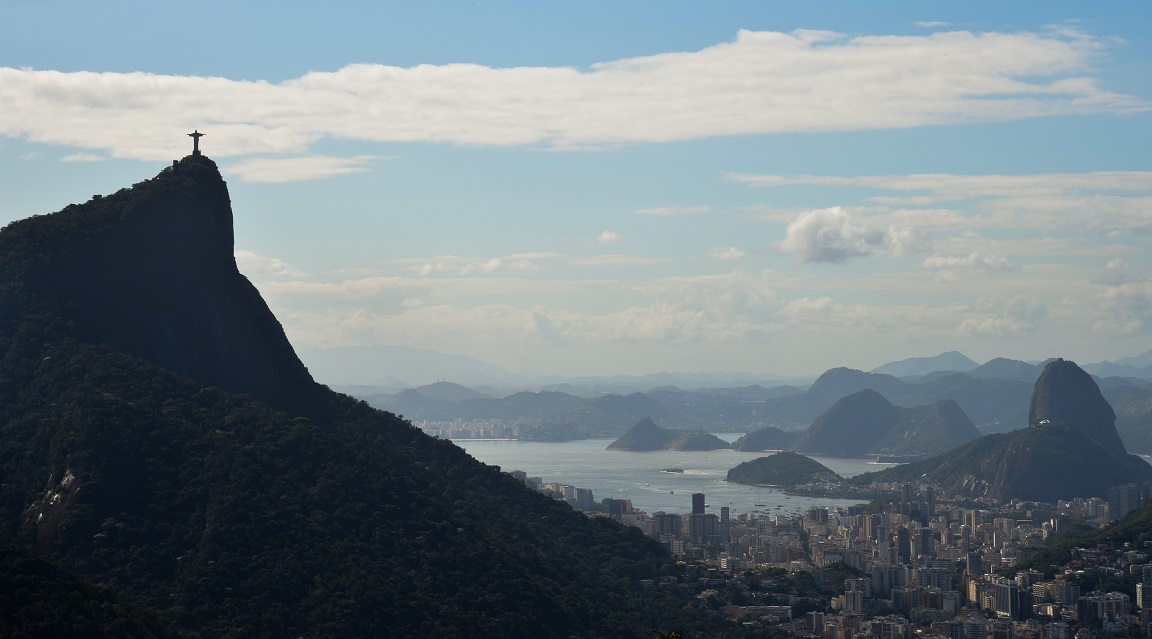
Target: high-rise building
<point x="904" y="544"/>
<point x="667" y="524"/>
<point x="698" y="503"/>
<point x="704" y="528"/>
<point x="1144" y="596"/>
<point x="1006" y="595"/>
<point x="1109" y="606"/>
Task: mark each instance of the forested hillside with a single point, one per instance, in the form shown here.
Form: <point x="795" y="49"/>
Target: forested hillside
<point x="235" y="497"/>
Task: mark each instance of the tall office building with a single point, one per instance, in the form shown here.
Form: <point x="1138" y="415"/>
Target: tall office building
<point x="697" y="503"/>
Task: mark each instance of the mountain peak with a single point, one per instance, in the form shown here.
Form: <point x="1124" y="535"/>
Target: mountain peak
<point x="1065" y="394"/>
<point x="150" y="270"/>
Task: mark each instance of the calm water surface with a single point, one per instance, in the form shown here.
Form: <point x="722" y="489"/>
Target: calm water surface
<point x="639" y="476"/>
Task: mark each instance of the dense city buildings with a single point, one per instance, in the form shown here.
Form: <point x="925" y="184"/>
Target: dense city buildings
<point x="915" y="565"/>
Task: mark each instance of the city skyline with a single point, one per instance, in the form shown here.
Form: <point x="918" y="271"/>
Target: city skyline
<point x="628" y="190"/>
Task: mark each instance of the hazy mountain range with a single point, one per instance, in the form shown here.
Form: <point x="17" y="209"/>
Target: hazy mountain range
<point x="994" y="396"/>
<point x="390" y="369"/>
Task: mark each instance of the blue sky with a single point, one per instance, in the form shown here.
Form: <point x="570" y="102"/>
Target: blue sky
<point x="603" y="188"/>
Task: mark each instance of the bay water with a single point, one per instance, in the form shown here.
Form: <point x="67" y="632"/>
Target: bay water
<point x="644" y="477"/>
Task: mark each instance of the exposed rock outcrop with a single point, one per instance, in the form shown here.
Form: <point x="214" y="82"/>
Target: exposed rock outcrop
<point x="1065" y="394"/>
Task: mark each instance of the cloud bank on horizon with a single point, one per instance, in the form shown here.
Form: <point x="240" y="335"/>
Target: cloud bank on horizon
<point x="718" y="262"/>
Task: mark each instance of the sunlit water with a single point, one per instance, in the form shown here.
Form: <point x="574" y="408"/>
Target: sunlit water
<point x="640" y="476"/>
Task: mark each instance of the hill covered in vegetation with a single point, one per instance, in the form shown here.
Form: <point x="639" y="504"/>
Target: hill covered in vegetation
<point x="865" y="423"/>
<point x="782" y="469"/>
<point x="161" y="438"/>
<point x="646" y="435"/>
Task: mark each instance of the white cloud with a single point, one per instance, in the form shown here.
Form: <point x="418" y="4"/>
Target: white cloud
<point x="761" y="82"/>
<point x="315" y="167"/>
<point x="456" y="265"/>
<point x="253" y="264"/>
<point x="1003" y="317"/>
<point x="726" y="253"/>
<point x="1124" y="299"/>
<point x="608" y="237"/>
<point x="83" y="157"/>
<point x="834" y="236"/>
<point x="830" y="235"/>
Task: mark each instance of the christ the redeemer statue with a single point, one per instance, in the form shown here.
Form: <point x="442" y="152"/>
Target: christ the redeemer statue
<point x="196" y="135"/>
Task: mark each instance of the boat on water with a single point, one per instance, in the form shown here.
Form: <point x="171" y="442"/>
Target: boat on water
<point x="672" y="470"/>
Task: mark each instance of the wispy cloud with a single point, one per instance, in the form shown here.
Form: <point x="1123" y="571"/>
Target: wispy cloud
<point x="83" y="157"/>
<point x="726" y="253"/>
<point x="297" y="169"/>
<point x="761" y="82"/>
<point x="458" y="266"/>
<point x="254" y="264"/>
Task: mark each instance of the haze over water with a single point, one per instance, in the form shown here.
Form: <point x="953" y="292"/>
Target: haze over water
<point x="640" y="476"/>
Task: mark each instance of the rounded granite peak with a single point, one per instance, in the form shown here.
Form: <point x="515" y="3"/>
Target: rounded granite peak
<point x="1066" y="394"/>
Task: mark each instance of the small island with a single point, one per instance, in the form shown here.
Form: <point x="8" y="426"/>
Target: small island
<point x="782" y="469"/>
<point x="646" y="435"/>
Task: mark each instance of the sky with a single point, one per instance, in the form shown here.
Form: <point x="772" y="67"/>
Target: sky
<point x="604" y="188"/>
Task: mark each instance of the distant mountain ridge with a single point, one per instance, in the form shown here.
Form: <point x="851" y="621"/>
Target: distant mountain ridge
<point x="994" y="396"/>
<point x="865" y="423"/>
<point x="918" y="366"/>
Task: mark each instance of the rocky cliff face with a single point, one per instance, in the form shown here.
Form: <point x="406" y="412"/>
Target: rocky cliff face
<point x="1065" y="394"/>
<point x="150" y="271"/>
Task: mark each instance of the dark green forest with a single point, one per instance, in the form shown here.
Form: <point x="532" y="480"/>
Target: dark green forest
<point x="234" y="497"/>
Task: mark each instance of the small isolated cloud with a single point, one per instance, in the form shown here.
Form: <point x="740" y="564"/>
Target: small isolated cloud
<point x="673" y="210"/>
<point x="726" y="253"/>
<point x="254" y="264"/>
<point x="608" y="237"/>
<point x="456" y="265"/>
<point x="317" y="167"/>
<point x="829" y="235"/>
<point x="930" y="24"/>
<point x="83" y="157"/>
